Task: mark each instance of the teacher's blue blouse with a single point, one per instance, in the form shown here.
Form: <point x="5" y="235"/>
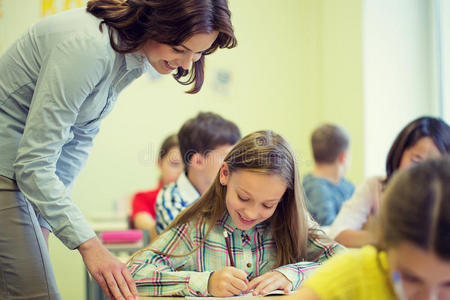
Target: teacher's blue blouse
<point x="57" y="82"/>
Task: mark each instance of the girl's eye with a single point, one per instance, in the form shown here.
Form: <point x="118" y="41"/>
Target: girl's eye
<point x="416" y="159"/>
<point x="177" y="50"/>
<point x="242" y="199"/>
<point x="410" y="278"/>
<point x="268" y="207"/>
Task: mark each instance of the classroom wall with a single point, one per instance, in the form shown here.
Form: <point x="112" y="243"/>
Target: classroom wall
<point x="341" y="80"/>
<point x="289" y="73"/>
<point x="297" y="65"/>
<point x="399" y="81"/>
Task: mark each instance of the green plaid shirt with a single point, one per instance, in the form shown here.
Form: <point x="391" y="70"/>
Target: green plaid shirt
<point x="254" y="251"/>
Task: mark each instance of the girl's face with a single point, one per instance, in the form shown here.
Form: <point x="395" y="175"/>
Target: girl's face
<point x="423" y="149"/>
<point x="171" y="166"/>
<point x="423" y="275"/>
<point x="166" y="59"/>
<point x="251" y="197"/>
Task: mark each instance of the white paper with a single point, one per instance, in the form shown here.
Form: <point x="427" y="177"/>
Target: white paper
<point x="248" y="295"/>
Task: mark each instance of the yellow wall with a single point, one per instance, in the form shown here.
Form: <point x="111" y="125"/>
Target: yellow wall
<point x="341" y="82"/>
<point x="298" y="64"/>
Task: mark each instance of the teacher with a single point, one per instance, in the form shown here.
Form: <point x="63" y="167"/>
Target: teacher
<point x="57" y="82"/>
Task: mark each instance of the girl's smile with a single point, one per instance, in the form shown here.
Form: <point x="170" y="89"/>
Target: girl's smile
<point x="244" y="221"/>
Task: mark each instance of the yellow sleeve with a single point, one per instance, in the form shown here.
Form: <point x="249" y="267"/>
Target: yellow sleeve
<point x="340" y="277"/>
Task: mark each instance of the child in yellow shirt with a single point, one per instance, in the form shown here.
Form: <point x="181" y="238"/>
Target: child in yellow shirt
<point x="412" y="259"/>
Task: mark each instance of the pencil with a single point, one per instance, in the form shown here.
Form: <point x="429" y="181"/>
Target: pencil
<point x="227" y="241"/>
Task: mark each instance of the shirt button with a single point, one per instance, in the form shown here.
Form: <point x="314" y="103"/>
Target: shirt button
<point x="249" y="265"/>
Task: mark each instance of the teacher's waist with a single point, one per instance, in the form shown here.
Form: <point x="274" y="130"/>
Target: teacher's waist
<point x="7" y="184"/>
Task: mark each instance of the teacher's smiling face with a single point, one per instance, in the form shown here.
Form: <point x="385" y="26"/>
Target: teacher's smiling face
<point x="166" y="58"/>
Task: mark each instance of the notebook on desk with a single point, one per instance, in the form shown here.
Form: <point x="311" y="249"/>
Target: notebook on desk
<point x="248" y="295"/>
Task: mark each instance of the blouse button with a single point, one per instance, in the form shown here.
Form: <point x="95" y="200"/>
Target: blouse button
<point x="249" y="265"/>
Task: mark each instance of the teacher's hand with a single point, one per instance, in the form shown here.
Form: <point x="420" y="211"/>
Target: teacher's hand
<point x="111" y="274"/>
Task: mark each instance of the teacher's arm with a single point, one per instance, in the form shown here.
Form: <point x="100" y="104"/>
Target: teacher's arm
<point x="69" y="72"/>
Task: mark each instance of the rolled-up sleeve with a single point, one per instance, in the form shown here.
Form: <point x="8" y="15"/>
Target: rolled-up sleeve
<point x="319" y="250"/>
<point x="53" y="148"/>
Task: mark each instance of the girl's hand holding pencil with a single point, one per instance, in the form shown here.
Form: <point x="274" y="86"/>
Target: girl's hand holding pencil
<point x="227" y="282"/>
<point x="260" y="285"/>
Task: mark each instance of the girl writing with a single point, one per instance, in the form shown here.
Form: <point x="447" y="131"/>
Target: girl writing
<point x="249" y="232"/>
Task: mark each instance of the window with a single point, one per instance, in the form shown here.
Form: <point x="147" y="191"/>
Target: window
<point x="399" y="72"/>
<point x="442" y="13"/>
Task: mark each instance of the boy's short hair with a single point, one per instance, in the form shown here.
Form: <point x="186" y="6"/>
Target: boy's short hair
<point x="204" y="133"/>
<point x="328" y="142"/>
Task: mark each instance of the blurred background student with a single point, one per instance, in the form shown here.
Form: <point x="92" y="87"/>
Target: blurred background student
<point x="170" y="165"/>
<point x="421" y="139"/>
<point x="412" y="258"/>
<point x="204" y="142"/>
<point x="326" y="188"/>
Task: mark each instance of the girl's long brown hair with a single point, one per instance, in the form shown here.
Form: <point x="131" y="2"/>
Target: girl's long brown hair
<point x="268" y="153"/>
<point x="166" y="21"/>
<point x="417" y="208"/>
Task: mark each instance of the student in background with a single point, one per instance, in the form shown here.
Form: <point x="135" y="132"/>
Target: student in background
<point x="423" y="138"/>
<point x="412" y="260"/>
<point x="57" y="82"/>
<point x="249" y="231"/>
<point x="143" y="206"/>
<point x="204" y="142"/>
<point x="326" y="188"/>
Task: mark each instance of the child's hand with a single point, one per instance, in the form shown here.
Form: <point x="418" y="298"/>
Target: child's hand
<point x="269" y="282"/>
<point x="227" y="282"/>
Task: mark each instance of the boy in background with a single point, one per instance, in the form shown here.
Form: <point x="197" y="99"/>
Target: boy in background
<point x="326" y="188"/>
<point x="204" y="142"/>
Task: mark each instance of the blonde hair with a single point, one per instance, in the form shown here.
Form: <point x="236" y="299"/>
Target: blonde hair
<point x="263" y="152"/>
